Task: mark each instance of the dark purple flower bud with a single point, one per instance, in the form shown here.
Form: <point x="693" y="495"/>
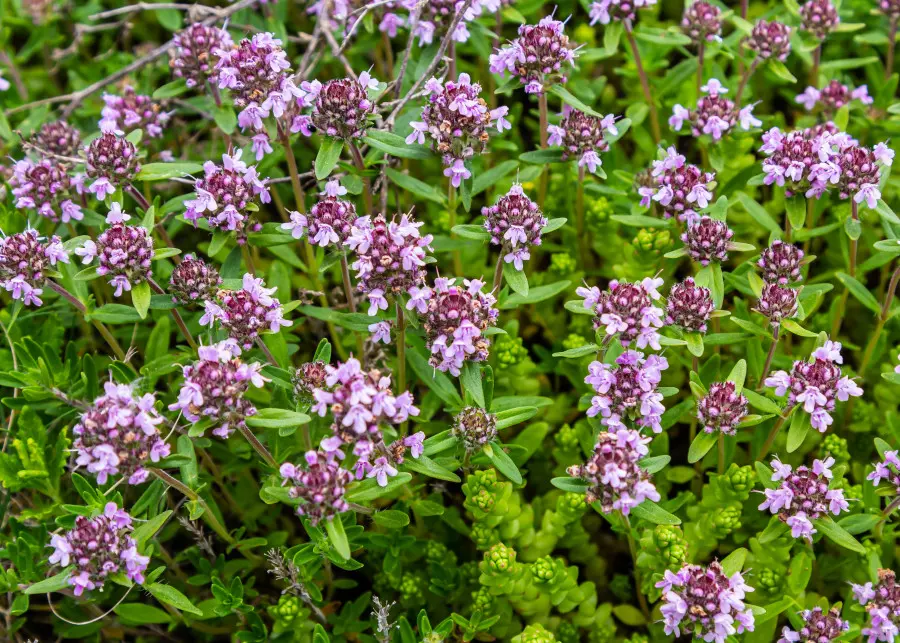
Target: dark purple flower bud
<point x="515" y="223"/>
<point x="819" y="18"/>
<point x="804" y="496"/>
<point x="705" y="603"/>
<point x="193" y="57"/>
<point x="24" y="258"/>
<point x="111" y="162"/>
<point x="701" y="22"/>
<point x="722" y="409"/>
<point x="627" y="309"/>
<point x="818" y="627"/>
<point x="320" y="484"/>
<point x="474" y="427"/>
<point x="582" y="136"/>
<point x="123" y="252"/>
<point x="680" y="189"/>
<point x="328" y="223"/>
<point x="537" y="56"/>
<point x="99" y="547"/>
<point x="707" y="240"/>
<point x="777" y="303"/>
<point x="455" y="321"/>
<point x="834" y="96"/>
<point x="194" y="282"/>
<point x="342" y="109"/>
<point x="770" y="40"/>
<point x="614" y="477"/>
<point x="689" y="306"/>
<point x="132" y="111"/>
<point x="58" y="137"/>
<point x="119" y="435"/>
<point x="307" y="378"/>
<point x="46" y="188"/>
<point x="780" y="263"/>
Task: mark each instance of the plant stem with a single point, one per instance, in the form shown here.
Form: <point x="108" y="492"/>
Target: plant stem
<point x="101" y="328"/>
<point x="190" y="494"/>
<point x="879" y="528"/>
<point x="645" y="84"/>
<point x="701" y="50"/>
<point x="744" y="80"/>
<point x="265" y="349"/>
<point x="721" y="441"/>
<point x="842" y="303"/>
<point x="544" y="135"/>
<point x="769" y="357"/>
<point x="401" y="348"/>
<point x="814" y="72"/>
<point x="579" y="217"/>
<point x="771" y="437"/>
<point x="248" y="259"/>
<point x="367" y="184"/>
<point x="451" y="207"/>
<point x="889" y="62"/>
<point x="258" y="447"/>
<point x="498" y="276"/>
<point x="348" y="286"/>
<point x="175" y="315"/>
<point x="642" y="600"/>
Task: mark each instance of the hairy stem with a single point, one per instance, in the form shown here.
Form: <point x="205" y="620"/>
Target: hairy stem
<point x="451" y="207"/>
<point x="645" y="83"/>
<point x="770" y="439"/>
<point x="367" y="184"/>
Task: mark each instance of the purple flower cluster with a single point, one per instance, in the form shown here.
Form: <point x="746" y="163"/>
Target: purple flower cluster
<point x="455" y="320"/>
<point x="193" y="56"/>
<point x="606" y="11"/>
<point x="882" y="602"/>
<point x="780" y="263"/>
<point x="226" y="195"/>
<point x="628" y="390"/>
<point x="244" y="313"/>
<point x="613" y="473"/>
<point x="815" y="384"/>
<point x="514" y="223"/>
<point x="436" y="16"/>
<point x="306" y="378"/>
<point x="341" y="108"/>
<point x="833" y="96"/>
<point x="118" y="434"/>
<point x="770" y="40"/>
<point x="701" y="22"/>
<point x="777" y="303"/>
<point x="689" y="306"/>
<point x="123" y="252"/>
<point x="819" y="17"/>
<point x="214" y="388"/>
<point x="474" y="427"/>
<point x="361" y="402"/>
<point x="714" y="115"/>
<point x="320" y="485"/>
<point x="112" y="162"/>
<point x="888" y="469"/>
<point x="707" y="240"/>
<point x="58" y="137"/>
<point x="537" y="56"/>
<point x="457" y="121"/>
<point x="803" y="496"/>
<point x="582" y="136"/>
<point x="194" y="282"/>
<point x="705" y="603"/>
<point x="253" y="70"/>
<point x="329" y="221"/>
<point x="390" y="258"/>
<point x="132" y="111"/>
<point x="45" y="187"/>
<point x="24" y="258"/>
<point x="681" y="189"/>
<point x="818" y="626"/>
<point x="722" y="409"/>
<point x="99" y="547"/>
<point x="627" y="309"/>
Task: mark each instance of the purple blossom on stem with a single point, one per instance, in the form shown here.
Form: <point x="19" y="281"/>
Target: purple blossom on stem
<point x="46" y="188"/>
<point x="770" y="40"/>
<point x="112" y="162"/>
<point x="613" y="473"/>
<point x="514" y="223"/>
<point x="246" y="312"/>
<point x="705" y="603"/>
<point x="123" y="252"/>
<point x="214" y="388"/>
<point x="118" y="434"/>
<point x="582" y="136"/>
<point x="253" y="69"/>
<point x="132" y="111"/>
<point x="537" y="57"/>
<point x="361" y="403"/>
<point x="681" y="189"/>
<point x="819" y="17"/>
<point x="341" y="108"/>
<point x="882" y="603"/>
<point x="329" y="222"/>
<point x="722" y="409"/>
<point x="701" y="22"/>
<point x="887" y="469"/>
<point x="99" y="547"/>
<point x="628" y="391"/>
<point x="707" y="240"/>
<point x="816" y="384"/>
<point x="58" y="137"/>
<point x="627" y="309"/>
<point x="320" y="484"/>
<point x="474" y="427"/>
<point x="804" y="496"/>
<point x="193" y="57"/>
<point x="24" y="258"/>
<point x="606" y="11"/>
<point x="777" y="303"/>
<point x="689" y="306"/>
<point x="194" y="282"/>
<point x="780" y="263"/>
<point x="818" y="626"/>
<point x="714" y="115"/>
<point x="833" y="96"/>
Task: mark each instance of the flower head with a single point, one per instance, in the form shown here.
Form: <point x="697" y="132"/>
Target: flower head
<point x="320" y="484"/>
<point x="252" y="70"/>
<point x="627" y="309"/>
<point x="583" y="137"/>
<point x="45" y="187"/>
<point x="680" y="189"/>
<point x="194" y="282"/>
<point x="474" y="427"/>
<point x="818" y="626"/>
<point x="514" y="223"/>
<point x="707" y="240"/>
<point x="627" y="390"/>
<point x="308" y="377"/>
<point x="770" y="40"/>
<point x="123" y="253"/>
<point x="342" y="108"/>
<point x="246" y="312"/>
<point x="538" y="57"/>
<point x="701" y="22"/>
<point x="111" y="161"/>
<point x="689" y="306"/>
<point x="722" y="409"/>
<point x="819" y="18"/>
<point x="777" y="303"/>
<point x="24" y="259"/>
<point x="132" y="111"/>
<point x="58" y="137"/>
<point x="193" y="56"/>
<point x="780" y="263"/>
<point x="328" y="223"/>
<point x="883" y="606"/>
<point x="606" y="11"/>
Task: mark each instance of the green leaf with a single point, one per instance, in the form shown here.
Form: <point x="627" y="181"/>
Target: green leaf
<point x="146" y="530"/>
<point x="859" y="291"/>
<point x="641" y="221"/>
<point x="654" y="464"/>
<point x="535" y="295"/>
<point x="219" y="239"/>
<point x="796" y="210"/>
<point x="886" y="212"/>
<point x="581" y="351"/>
<point x="116" y="314"/>
<point x="433" y="378"/>
<point x="542" y="157"/>
<point x="171" y="596"/>
<point x="629" y="614"/>
<point x="328" y="156"/>
<point x="419" y="188"/>
<point x="164" y="171"/>
<point x="338" y="537"/>
<point x="653" y="513"/>
<point x="225" y="118"/>
<point x="87" y="274"/>
<point x="395" y="145"/>
<point x="272" y="418"/>
<point x="759" y="214"/>
<point x="734" y="562"/>
<point x="694" y="343"/>
<point x="761" y="402"/>
<point x="392" y="518"/>
<point x="470" y="378"/>
<point x="171" y="90"/>
<point x="140" y="298"/>
<point x="571" y="485"/>
<point x="782" y="72"/>
<point x="853" y="228"/>
<point x="738" y="375"/>
<point x="516" y="279"/>
<point x="797" y="329"/>
<point x="141" y="614"/>
<point x="701" y="446"/>
<point x="511" y="417"/>
<point x="573" y="101"/>
<point x="492" y="176"/>
<point x="837" y="534"/>
<point x="504" y="464"/>
<point x="800" y="426"/>
<point x="428" y="467"/>
<point x="369" y="490"/>
<point x="554" y="224"/>
<point x="859" y="523"/>
<point x="165" y="253"/>
<point x="53" y="584"/>
<point x="470" y="231"/>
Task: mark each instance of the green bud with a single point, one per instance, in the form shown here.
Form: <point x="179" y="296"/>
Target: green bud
<point x="535" y="633"/>
<point x="650" y="243"/>
<point x="727" y="519"/>
<point x="508" y="351"/>
<point x="500" y="559"/>
<point x="566" y="632"/>
<point x="768" y="580"/>
<point x="482" y="600"/>
<point x="835" y="446"/>
<point x="484" y="536"/>
<point x="740" y="479"/>
<point x="563" y="263"/>
<point x="412" y="589"/>
<point x="597" y="210"/>
<point x="543" y="569"/>
<point x="573" y="340"/>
